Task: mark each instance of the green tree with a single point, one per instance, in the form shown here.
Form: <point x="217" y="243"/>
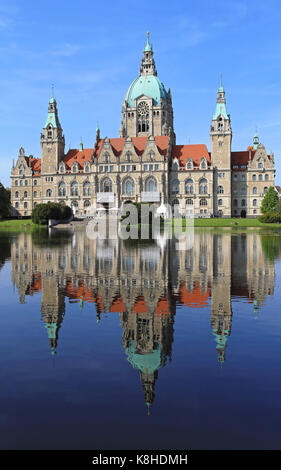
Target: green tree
<point x="5" y="203"/>
<point x="43" y="212"/>
<point x="270" y="201"/>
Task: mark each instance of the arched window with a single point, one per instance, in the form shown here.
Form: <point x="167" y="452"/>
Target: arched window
<point x="265" y="189"/>
<point x="220" y="190"/>
<point x="87" y="203"/>
<point x="16" y="183"/>
<point x="203" y="186"/>
<point x="86" y="189"/>
<point x="128" y="157"/>
<point x="175" y="165"/>
<point x="220" y="124"/>
<point x="255" y="202"/>
<point x="260" y="178"/>
<point x="151" y="184"/>
<point x="16" y="194"/>
<point x="26" y="183"/>
<point x="254" y="178"/>
<point x="260" y="165"/>
<point x="25" y="194"/>
<point x="62" y="167"/>
<point x="16" y="205"/>
<point x="106" y="185"/>
<point x="35" y="194"/>
<point x="189" y="165"/>
<point x="87" y="167"/>
<point x="21" y="169"/>
<point x="255" y="190"/>
<point x="220" y="202"/>
<point x="74" y="188"/>
<point x="143" y="117"/>
<point x="266" y="177"/>
<point x="203" y="202"/>
<point x="25" y="205"/>
<point x="128" y="187"/>
<point x="189" y="201"/>
<point x="235" y="202"/>
<point x="49" y="193"/>
<point x="243" y="203"/>
<point x="151" y="156"/>
<point x="62" y="189"/>
<point x="50" y="132"/>
<point x="243" y="190"/>
<point x="189" y="188"/>
<point x="175" y="186"/>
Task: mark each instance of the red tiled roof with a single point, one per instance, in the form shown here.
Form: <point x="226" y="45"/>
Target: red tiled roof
<point x="195" y="152"/>
<point x="81" y="156"/>
<point x="241" y="158"/>
<point x="35" y="164"/>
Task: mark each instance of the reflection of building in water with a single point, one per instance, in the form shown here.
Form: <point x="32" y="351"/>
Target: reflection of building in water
<point x="143" y="284"/>
<point x="221" y="313"/>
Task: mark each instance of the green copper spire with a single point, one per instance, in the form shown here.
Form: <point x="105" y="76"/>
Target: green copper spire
<point x="256" y="140"/>
<point x="148" y="46"/>
<point x="221" y="103"/>
<point x="52" y="117"/>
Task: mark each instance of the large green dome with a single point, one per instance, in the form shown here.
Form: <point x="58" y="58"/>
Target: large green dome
<point x="148" y="85"/>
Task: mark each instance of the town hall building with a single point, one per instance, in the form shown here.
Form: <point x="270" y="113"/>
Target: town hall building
<point x="145" y="163"/>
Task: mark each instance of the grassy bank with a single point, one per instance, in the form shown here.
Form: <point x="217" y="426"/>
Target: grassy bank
<point x="228" y="223"/>
<point x="17" y="225"/>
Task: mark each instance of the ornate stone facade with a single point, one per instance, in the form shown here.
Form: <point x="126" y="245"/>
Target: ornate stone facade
<point x="145" y="163"/>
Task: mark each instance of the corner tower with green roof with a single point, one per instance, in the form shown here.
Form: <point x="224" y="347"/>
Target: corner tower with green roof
<point x="52" y="140"/>
<point x="147" y="108"/>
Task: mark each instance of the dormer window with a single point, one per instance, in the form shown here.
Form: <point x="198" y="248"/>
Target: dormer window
<point x="175" y="165"/>
<point x="203" y="163"/>
<point x="62" y="167"/>
<point x="189" y="164"/>
<point x="87" y="167"/>
<point x="74" y="167"/>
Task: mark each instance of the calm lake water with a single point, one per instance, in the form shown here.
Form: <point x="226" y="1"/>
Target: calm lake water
<point x="111" y="344"/>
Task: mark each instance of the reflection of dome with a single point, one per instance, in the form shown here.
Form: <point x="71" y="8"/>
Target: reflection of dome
<point x="147" y="363"/>
<point x="148" y="85"/>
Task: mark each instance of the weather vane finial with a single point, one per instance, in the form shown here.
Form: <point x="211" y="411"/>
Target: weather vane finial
<point x="53" y="90"/>
<point x="148" y="36"/>
<point x="220" y="79"/>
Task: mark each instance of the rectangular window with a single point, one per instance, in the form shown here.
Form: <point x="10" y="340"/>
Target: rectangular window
<point x="156" y="167"/>
<point x="150" y="167"/>
<point x="144" y="167"/>
<point x="106" y="169"/>
<point x="111" y="168"/>
<point x="134" y="167"/>
<point x="123" y="168"/>
<point x="128" y="167"/>
<point x="101" y="169"/>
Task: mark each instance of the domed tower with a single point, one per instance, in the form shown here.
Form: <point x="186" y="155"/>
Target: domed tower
<point x="147" y="108"/>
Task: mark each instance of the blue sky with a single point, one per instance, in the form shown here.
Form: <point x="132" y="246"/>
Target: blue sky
<point x="92" y="50"/>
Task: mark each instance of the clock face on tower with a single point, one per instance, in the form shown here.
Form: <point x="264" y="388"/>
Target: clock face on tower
<point x="143" y="108"/>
